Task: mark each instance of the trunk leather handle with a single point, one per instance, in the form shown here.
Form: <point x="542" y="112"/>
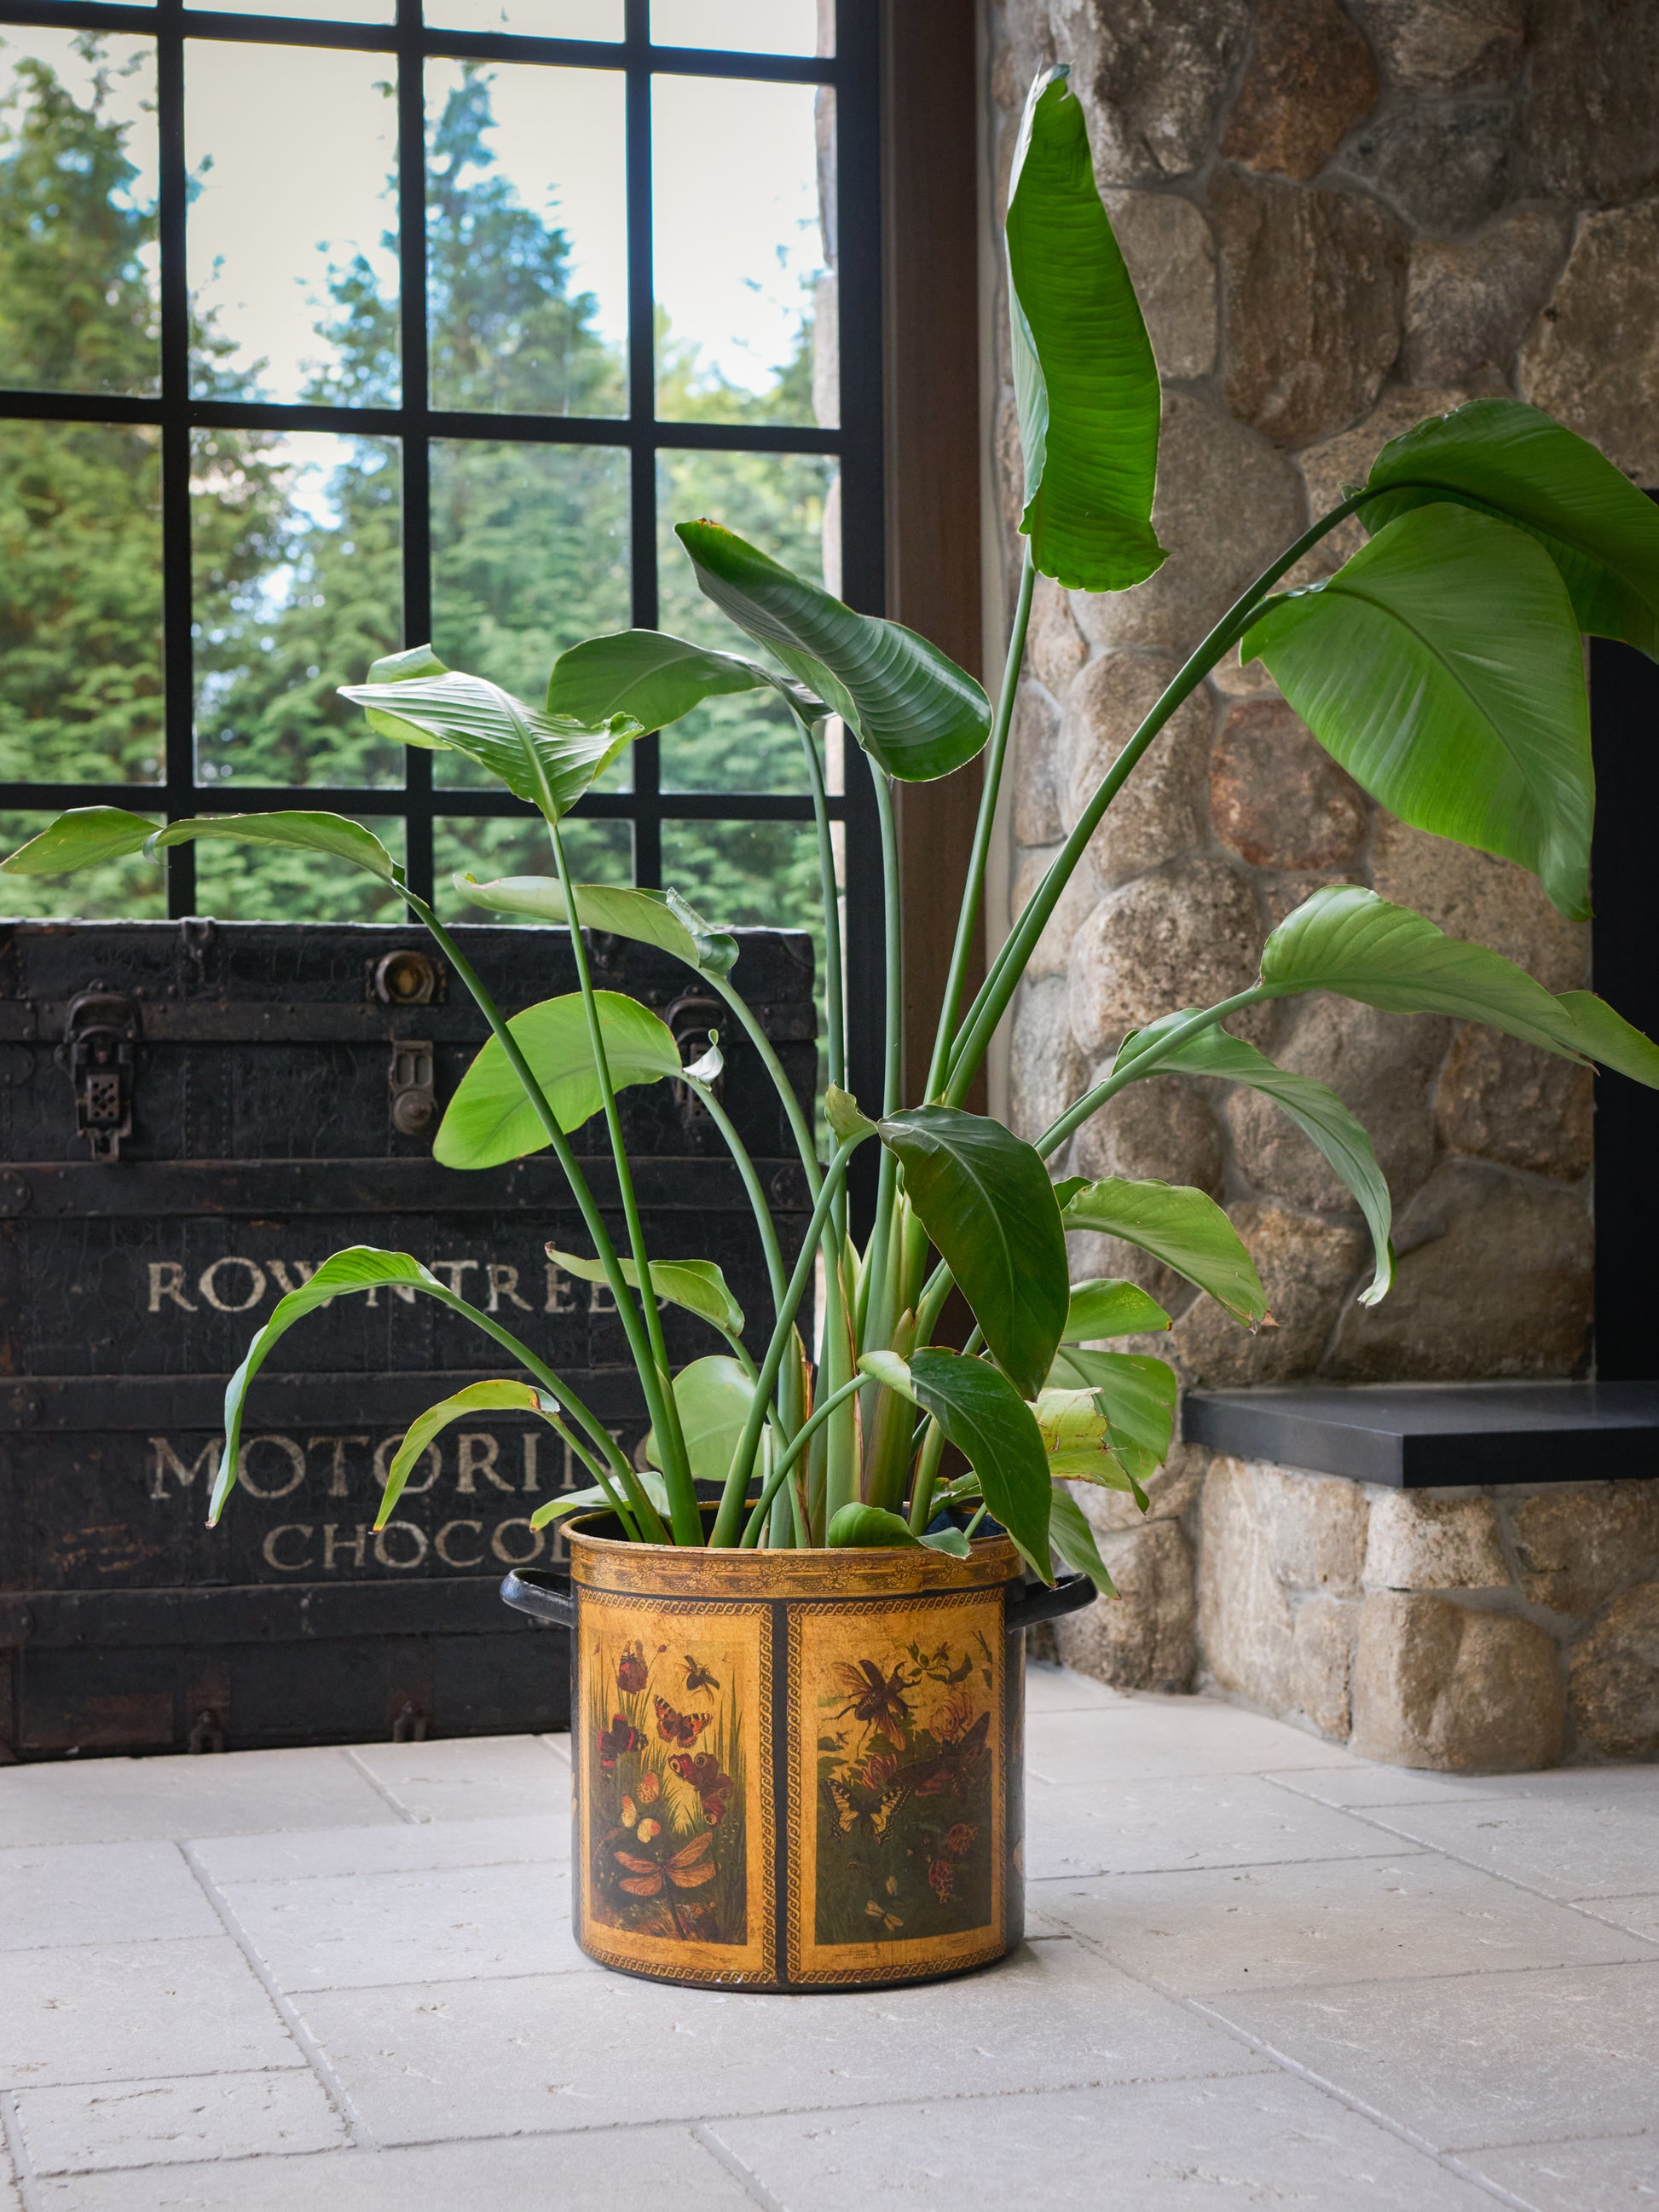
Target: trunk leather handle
<point x="545" y="1594"/>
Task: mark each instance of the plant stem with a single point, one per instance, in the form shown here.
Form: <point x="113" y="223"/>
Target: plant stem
<point x="798" y="1126"/>
<point x="751" y="1183"/>
<point x="973" y="895"/>
<point x="921" y="1492"/>
<point x="792" y="1452"/>
<point x="876" y="1307"/>
<point x="1146" y="1063"/>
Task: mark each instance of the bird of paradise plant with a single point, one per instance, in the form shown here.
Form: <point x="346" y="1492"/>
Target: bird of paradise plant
<point x="1441" y="665"/>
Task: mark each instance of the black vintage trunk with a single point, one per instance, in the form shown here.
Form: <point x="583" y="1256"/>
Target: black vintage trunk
<point x="194" y="1114"/>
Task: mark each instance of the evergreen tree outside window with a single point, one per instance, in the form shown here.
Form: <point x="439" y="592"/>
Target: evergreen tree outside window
<point x="327" y="330"/>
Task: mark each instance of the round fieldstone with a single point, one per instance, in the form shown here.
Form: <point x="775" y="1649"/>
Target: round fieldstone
<point x="1309" y="79"/>
<point x="1045" y="1068"/>
<point x="1444" y="166"/>
<point x="1052" y="950"/>
<point x="1615" y="1676"/>
<point x="1170" y="257"/>
<point x="1187" y="936"/>
<point x="1307" y="1268"/>
<point x="1276" y="795"/>
<point x="1511" y="1103"/>
<point x="1579" y="1543"/>
<point x="1589" y="118"/>
<point x="1163" y="1128"/>
<point x="1321" y="1663"/>
<point x="1418" y="1541"/>
<point x="1055" y="648"/>
<point x="1472" y="895"/>
<point x="1442" y="46"/>
<point x="1469" y="301"/>
<point x="1032" y="739"/>
<point x="1592" y="359"/>
<point x="1160" y="811"/>
<point x="1142" y="1638"/>
<point x="1437" y="1685"/>
<point x="1315" y="284"/>
<point x="1152" y="75"/>
<point x="1329" y="469"/>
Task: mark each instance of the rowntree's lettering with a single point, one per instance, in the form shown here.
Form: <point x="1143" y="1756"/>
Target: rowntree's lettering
<point x="237" y="1283"/>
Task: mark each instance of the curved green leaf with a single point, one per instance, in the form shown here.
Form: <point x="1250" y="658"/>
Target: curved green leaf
<point x="1441" y="666"/>
<point x="307" y="833"/>
<point x="1347" y="939"/>
<point x="548" y="759"/>
<point x="1184" y="1228"/>
<point x="1074" y="1539"/>
<point x="490" y="1120"/>
<point x="1136" y="1393"/>
<point x="712" y="1396"/>
<point x="984" y="1197"/>
<point x="1085" y="378"/>
<point x="909" y="706"/>
<point x="594" y="1500"/>
<point x="660" y="918"/>
<point x="696" y="1285"/>
<point x="982" y="1414"/>
<point x="359" y="1268"/>
<point x="846" y="1117"/>
<point x="80" y="839"/>
<point x="476" y="1398"/>
<point x="867" y="1527"/>
<point x="1316" y="1111"/>
<point x="653" y="679"/>
<point x="1599" y="529"/>
<point x="888" y="1368"/>
<point x="1108" y="1308"/>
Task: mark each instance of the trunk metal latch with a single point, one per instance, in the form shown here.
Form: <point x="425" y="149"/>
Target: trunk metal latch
<point x="412" y="1078"/>
<point x="100" y="1038"/>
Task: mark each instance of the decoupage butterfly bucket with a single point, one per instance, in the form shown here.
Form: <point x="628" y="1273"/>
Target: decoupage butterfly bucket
<point x="794" y="1770"/>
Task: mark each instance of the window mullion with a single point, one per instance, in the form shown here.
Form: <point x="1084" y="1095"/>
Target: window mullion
<point x="416" y="456"/>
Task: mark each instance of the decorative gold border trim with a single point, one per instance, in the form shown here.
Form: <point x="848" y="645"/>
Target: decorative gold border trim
<point x="662" y="1958"/>
<point x="602" y="1563"/>
<point x="927" y="1955"/>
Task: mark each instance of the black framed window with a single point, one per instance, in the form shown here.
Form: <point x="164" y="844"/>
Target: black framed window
<point x="328" y="329"/>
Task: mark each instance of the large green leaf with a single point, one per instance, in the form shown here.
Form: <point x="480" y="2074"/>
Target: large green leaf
<point x="1599" y="529"/>
<point x="1348" y="940"/>
<point x="985" y="1199"/>
<point x="868" y="1527"/>
<point x="476" y="1398"/>
<point x="1137" y="1393"/>
<point x="359" y="1268"/>
<point x="1317" y="1112"/>
<point x="908" y="705"/>
<point x="1085" y="378"/>
<point x="1076" y="1436"/>
<point x="653" y="679"/>
<point x="490" y="1120"/>
<point x="660" y="917"/>
<point x="595" y="1500"/>
<point x="80" y="839"/>
<point x="982" y="1414"/>
<point x="307" y="833"/>
<point x="548" y="759"/>
<point x="1106" y="1306"/>
<point x="712" y="1398"/>
<point x="1441" y="666"/>
<point x="1182" y="1227"/>
<point x="696" y="1285"/>
<point x="1070" y="1534"/>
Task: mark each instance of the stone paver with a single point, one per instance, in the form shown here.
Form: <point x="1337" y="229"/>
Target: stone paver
<point x="1259" y="1971"/>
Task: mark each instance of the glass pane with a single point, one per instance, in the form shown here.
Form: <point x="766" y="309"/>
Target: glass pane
<point x="79" y="267"/>
<point x="531" y="19"/>
<point x="527" y="230"/>
<point x="598" y="852"/>
<point x="129" y="889"/>
<point x="293" y="254"/>
<point x="264" y="883"/>
<point x="297" y="543"/>
<point x="746" y="322"/>
<point x="783" y="503"/>
<point x="79" y="603"/>
<point x="746" y="27"/>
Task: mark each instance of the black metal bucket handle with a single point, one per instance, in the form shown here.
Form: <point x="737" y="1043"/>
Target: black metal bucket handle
<point x="1038" y="1602"/>
<point x="545" y="1594"/>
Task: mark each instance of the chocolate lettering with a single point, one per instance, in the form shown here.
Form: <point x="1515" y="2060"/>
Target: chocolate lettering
<point x="337" y="1480"/>
<point x="399" y="1529"/>
<point x="510" y="1557"/>
<point x="334" y="1544"/>
<point x="300" y="1529"/>
<point x="531" y="1438"/>
<point x="166" y="1461"/>
<point x="441" y="1543"/>
<point x="477" y="1455"/>
<point x="384" y="1454"/>
<point x="296" y="1460"/>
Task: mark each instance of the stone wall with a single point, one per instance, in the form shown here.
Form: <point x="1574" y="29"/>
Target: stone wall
<point x="1339" y="219"/>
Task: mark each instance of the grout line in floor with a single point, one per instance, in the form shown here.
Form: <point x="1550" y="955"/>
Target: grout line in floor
<point x="747" y="2180"/>
<point x="12" y="2129"/>
<point x="409" y="1820"/>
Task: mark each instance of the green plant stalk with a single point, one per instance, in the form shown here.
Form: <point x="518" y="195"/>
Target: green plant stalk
<point x="798" y="1126"/>
<point x="996" y="754"/>
<point x="751" y="1180"/>
<point x="725" y="1531"/>
<point x="592" y="1220"/>
<point x="993" y="999"/>
<point x="601" y="1475"/>
<point x="792" y="1451"/>
<point x="927" y="1475"/>
<point x="671" y="1439"/>
<point x="1091" y="1101"/>
<point x="877" y="1301"/>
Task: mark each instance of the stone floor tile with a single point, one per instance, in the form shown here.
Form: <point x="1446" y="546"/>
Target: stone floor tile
<point x="1610" y="2173"/>
<point x="350" y="1931"/>
<point x="1471" y="2060"/>
<point x="89" y="2128"/>
<point x="1144" y="2146"/>
<point x="1361" y="1785"/>
<point x="1188" y="1820"/>
<point x="126" y="2012"/>
<point x="1149" y="1735"/>
<point x="1564" y="1847"/>
<point x="471" y="1777"/>
<point x="395" y="1847"/>
<point x="1063" y="1690"/>
<point x="97" y="1800"/>
<point x="558" y="1745"/>
<point x="1640" y="1915"/>
<point x="592" y="2051"/>
<point x="11" y="2198"/>
<point x="1291" y="1927"/>
<point x="65" y="1893"/>
<point x="622" y="2170"/>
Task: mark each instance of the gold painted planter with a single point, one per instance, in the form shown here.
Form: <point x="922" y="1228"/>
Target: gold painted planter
<point x="794" y="1770"/>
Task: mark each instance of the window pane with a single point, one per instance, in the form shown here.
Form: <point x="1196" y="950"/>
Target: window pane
<point x="747" y="27"/>
<point x="78" y="260"/>
<point x="780" y="502"/>
<point x="746" y="320"/>
<point x="531" y="19"/>
<point x="129" y="889"/>
<point x="598" y="852"/>
<point x="79" y="603"/>
<point x="298" y="557"/>
<point x="293" y="250"/>
<point x="526" y="227"/>
<point x="266" y="883"/>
